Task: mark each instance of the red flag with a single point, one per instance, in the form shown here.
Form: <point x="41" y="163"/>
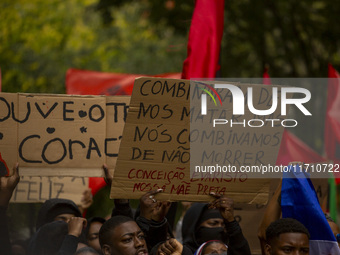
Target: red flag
<point x="332" y="122"/>
<point x="84" y="82"/>
<point x="205" y="37"/>
<point x="266" y="77"/>
<point x="96" y="183"/>
<point x="291" y="147"/>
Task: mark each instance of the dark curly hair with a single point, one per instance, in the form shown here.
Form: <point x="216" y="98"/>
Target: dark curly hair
<point x="109" y="226"/>
<point x="286" y="225"/>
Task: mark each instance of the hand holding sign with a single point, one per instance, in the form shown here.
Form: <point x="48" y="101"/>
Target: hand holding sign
<point x="151" y="209"/>
<point x="225" y="205"/>
<point x="8" y="184"/>
<point x="86" y="200"/>
<point x="108" y="176"/>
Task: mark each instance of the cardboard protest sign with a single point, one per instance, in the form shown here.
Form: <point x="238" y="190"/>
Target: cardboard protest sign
<point x="116" y="112"/>
<point x="8" y="134"/>
<point x="156" y="151"/>
<point x="60" y="135"/>
<point x="38" y="189"/>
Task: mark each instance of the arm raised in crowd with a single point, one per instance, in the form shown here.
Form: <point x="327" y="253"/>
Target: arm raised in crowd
<point x="152" y="218"/>
<point x="122" y="206"/>
<point x="271" y="214"/>
<point x="170" y="247"/>
<point x="238" y="245"/>
<point x="7" y="186"/>
<point x="86" y="201"/>
<point x="71" y="240"/>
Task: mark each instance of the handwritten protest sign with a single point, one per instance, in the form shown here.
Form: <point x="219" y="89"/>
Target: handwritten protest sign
<point x="38" y="189"/>
<point x="116" y="112"/>
<point x="8" y="133"/>
<point x="60" y="135"/>
<point x="156" y="151"/>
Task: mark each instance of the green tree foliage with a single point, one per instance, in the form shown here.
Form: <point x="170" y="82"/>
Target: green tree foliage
<point x="40" y="40"/>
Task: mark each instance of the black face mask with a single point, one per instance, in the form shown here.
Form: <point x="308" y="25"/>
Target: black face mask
<point x="205" y="234"/>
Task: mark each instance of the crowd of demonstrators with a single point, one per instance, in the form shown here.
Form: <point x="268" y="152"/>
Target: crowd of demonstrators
<point x="206" y="228"/>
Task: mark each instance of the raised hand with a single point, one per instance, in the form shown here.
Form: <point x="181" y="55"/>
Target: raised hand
<point x="8" y="184"/>
<point x="170" y="247"/>
<point x="152" y="209"/>
<point x="76" y="225"/>
<point x="225" y="205"/>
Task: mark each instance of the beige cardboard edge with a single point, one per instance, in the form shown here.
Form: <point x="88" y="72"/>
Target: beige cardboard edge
<point x="71" y="172"/>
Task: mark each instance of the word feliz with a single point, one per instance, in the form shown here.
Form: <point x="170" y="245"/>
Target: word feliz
<point x="95" y="112"/>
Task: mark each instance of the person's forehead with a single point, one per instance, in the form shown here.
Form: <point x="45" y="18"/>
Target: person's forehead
<point x="65" y="215"/>
<point x="293" y="239"/>
<point x="126" y="228"/>
<point x="95" y="226"/>
<point x="214" y="219"/>
<point x="215" y="247"/>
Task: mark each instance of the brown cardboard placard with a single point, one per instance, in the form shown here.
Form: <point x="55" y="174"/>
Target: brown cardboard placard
<point x="61" y="135"/>
<point x="155" y="151"/>
<point x="38" y="189"/>
<point x="8" y="133"/>
<point x="116" y="112"/>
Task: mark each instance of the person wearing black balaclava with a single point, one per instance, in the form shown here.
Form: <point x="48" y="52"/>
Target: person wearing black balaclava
<point x="214" y="221"/>
<point x="56" y="209"/>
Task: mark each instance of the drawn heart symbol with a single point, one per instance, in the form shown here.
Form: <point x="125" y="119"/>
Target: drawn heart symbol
<point x="50" y="130"/>
<point x="82" y="114"/>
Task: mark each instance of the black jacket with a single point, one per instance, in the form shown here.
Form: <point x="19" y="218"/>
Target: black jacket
<point x="4" y="235"/>
<point x="155" y="232"/>
<point x="53" y="239"/>
<point x="236" y="242"/>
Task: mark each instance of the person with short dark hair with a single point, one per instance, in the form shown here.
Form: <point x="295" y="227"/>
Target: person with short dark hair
<point x="287" y="236"/>
<point x="92" y="232"/>
<point x="120" y="235"/>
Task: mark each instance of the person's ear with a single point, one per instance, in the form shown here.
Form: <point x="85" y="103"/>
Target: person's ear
<point x="106" y="249"/>
<point x="267" y="249"/>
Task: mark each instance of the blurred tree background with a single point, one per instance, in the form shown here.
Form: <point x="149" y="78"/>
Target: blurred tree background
<point x="40" y="40"/>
